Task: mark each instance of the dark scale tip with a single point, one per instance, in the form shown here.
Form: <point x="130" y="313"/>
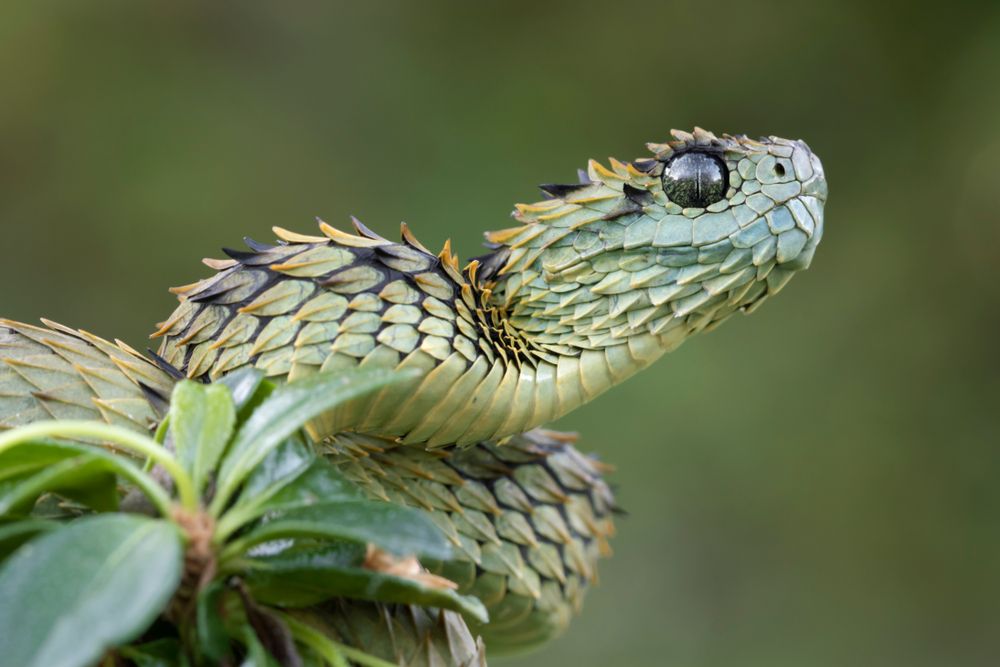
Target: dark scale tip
<point x="561" y="190"/>
<point x="257" y="246"/>
<point x="647" y="166"/>
<point x="624" y="207"/>
<point x="216" y="290"/>
<point x="363" y="230"/>
<point x="239" y="255"/>
<point x="490" y="264"/>
<point x="160" y="403"/>
<point x="165" y="365"/>
<point x="252" y="258"/>
<point x="640" y="197"/>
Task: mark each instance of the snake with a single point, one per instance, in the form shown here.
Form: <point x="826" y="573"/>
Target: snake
<point x="593" y="283"/>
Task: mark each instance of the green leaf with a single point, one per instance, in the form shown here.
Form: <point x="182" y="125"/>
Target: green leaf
<point x="304" y="579"/>
<point x="71" y="594"/>
<point x="321" y="483"/>
<point x="212" y="636"/>
<point x="306" y="574"/>
<point x="292" y="476"/>
<point x="243" y="385"/>
<point x="201" y="422"/>
<point x="16" y="533"/>
<point x="401" y="530"/>
<point x="280" y="467"/>
<point x="28" y="458"/>
<point x="43" y="466"/>
<point x="99" y="492"/>
<point x="88" y="478"/>
<point x="282" y="578"/>
<point x="287" y="410"/>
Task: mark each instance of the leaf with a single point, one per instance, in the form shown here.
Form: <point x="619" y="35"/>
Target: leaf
<point x="43" y="467"/>
<point x="292" y="476"/>
<point x="99" y="492"/>
<point x="320" y="483"/>
<point x="306" y="575"/>
<point x="28" y="458"/>
<point x="244" y="385"/>
<point x="282" y="465"/>
<point x="283" y="578"/>
<point x="201" y="422"/>
<point x="212" y="636"/>
<point x="16" y="533"/>
<point x="308" y="587"/>
<point x="88" y="478"/>
<point x="71" y="594"/>
<point x="401" y="530"/>
<point x="287" y="410"/>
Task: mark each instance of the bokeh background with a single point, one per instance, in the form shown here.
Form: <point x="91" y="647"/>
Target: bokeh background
<point x="815" y="485"/>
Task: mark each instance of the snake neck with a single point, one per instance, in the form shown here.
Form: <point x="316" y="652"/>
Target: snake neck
<point x="527" y="323"/>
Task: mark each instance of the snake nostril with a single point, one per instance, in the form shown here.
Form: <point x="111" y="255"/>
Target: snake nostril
<point x="779" y="169"/>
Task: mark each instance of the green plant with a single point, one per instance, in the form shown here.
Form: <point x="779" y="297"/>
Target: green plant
<point x="207" y="553"/>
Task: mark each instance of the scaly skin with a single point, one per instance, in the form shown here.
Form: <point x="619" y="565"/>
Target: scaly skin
<point x="598" y="282"/>
<point x="528" y="519"/>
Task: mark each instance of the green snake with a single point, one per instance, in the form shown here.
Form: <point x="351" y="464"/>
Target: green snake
<point x="596" y="282"/>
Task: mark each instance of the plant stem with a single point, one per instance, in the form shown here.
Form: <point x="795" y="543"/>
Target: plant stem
<point x="159" y="436"/>
<point x="234" y="519"/>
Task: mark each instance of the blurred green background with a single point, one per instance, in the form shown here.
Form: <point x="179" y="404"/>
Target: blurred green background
<point x="814" y="485"/>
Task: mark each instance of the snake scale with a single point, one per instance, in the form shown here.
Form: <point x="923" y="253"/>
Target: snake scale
<point x="597" y="281"/>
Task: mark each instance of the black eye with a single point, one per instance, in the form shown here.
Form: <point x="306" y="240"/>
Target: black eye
<point x="695" y="180"/>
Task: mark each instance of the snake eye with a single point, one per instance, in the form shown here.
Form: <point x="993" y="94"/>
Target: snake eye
<point x="695" y="180"/>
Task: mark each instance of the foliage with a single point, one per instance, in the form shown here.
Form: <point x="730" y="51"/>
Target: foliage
<point x="202" y="556"/>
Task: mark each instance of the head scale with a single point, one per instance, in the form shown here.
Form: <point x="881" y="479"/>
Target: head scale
<point x="667" y="245"/>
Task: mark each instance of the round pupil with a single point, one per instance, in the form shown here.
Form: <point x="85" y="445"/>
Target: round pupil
<point x="695" y="180"/>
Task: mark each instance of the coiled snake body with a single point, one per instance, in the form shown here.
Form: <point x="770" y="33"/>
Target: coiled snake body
<point x="597" y="282"/>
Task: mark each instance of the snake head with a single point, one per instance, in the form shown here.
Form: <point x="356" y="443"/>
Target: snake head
<point x="667" y="245"/>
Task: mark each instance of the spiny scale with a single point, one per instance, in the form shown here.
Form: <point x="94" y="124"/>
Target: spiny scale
<point x="59" y="373"/>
